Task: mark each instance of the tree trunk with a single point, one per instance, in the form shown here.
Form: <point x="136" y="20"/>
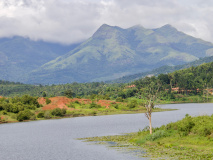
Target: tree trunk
<point x="150" y="125"/>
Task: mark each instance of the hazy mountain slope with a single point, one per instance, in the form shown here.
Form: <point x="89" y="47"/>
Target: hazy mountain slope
<point x="19" y="56"/>
<point x="163" y="70"/>
<point x="113" y="52"/>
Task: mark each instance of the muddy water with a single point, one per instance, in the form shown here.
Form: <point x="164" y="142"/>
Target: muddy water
<point x="56" y="139"/>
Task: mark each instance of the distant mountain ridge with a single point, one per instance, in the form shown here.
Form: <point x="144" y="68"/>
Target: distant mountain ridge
<point x="113" y="52"/>
<point x="20" y="55"/>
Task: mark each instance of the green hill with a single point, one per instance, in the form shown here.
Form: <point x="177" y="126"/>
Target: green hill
<point x="113" y="52"/>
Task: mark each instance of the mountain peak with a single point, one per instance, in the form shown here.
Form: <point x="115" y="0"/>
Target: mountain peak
<point x="167" y="27"/>
<point x="106" y="31"/>
<point x="104" y="26"/>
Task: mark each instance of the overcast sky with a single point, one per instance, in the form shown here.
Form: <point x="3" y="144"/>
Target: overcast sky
<point x="70" y="21"/>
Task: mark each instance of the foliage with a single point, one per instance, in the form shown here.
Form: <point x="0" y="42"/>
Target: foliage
<point x="58" y="112"/>
<point x="40" y="115"/>
<point x="68" y="93"/>
<point x="132" y="104"/>
<point x="94" y="105"/>
<point x="25" y="115"/>
<point x="48" y="101"/>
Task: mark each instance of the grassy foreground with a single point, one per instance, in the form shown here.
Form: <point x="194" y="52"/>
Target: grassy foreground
<point x="189" y="138"/>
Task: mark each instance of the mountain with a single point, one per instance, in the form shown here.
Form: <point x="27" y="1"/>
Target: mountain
<point x="20" y="55"/>
<point x="113" y="52"/>
<point x="161" y="70"/>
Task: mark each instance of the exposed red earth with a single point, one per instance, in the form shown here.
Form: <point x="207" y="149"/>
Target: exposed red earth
<point x="62" y="102"/>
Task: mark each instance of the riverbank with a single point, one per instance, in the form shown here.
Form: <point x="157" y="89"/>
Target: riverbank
<point x="27" y="108"/>
<point x="11" y="117"/>
<point x="190" y="138"/>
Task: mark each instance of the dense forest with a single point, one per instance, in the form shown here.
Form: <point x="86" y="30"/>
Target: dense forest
<point x="191" y="81"/>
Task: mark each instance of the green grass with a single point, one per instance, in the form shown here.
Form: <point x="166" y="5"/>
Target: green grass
<point x="190" y="138"/>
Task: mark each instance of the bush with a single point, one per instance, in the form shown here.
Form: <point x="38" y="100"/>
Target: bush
<point x="202" y="131"/>
<point x="77" y="102"/>
<point x="58" y="112"/>
<point x="48" y="101"/>
<point x="185" y="125"/>
<point x="115" y="105"/>
<point x="26" y="99"/>
<point x="25" y="115"/>
<point x="132" y="104"/>
<point x="47" y="114"/>
<point x="71" y="105"/>
<point x="119" y="99"/>
<point x="94" y="105"/>
<point x="40" y="115"/>
<point x="156" y="135"/>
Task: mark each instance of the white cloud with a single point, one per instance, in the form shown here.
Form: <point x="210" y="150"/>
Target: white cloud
<point x="69" y="21"/>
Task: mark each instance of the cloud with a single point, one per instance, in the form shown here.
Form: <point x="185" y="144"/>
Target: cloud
<point x="70" y="21"/>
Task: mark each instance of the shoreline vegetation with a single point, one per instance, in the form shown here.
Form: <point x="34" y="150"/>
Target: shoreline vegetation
<point x="28" y="108"/>
<point x="190" y="138"/>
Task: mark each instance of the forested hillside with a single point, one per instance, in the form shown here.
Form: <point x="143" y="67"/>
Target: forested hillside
<point x="192" y="81"/>
<point x="161" y="70"/>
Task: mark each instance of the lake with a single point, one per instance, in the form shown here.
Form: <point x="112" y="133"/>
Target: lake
<point x="56" y="139"/>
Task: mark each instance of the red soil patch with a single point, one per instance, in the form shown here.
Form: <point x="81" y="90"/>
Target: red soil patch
<point x="85" y="101"/>
<point x="105" y="103"/>
<point x="56" y="102"/>
<point x="61" y="102"/>
<point x="2" y="117"/>
<point x="42" y="100"/>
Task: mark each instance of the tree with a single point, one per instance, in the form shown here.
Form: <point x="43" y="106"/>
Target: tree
<point x="44" y="94"/>
<point x="151" y="96"/>
<point x="68" y="93"/>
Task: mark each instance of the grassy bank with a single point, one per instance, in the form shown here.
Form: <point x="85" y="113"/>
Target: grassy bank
<point x="189" y="138"/>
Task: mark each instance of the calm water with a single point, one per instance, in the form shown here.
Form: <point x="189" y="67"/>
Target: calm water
<point x="56" y="139"/>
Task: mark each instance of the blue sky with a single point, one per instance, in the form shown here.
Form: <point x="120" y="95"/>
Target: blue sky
<point x="71" y="21"/>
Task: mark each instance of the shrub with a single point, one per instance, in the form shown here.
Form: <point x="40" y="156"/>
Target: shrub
<point x="26" y="99"/>
<point x="24" y="115"/>
<point x="58" y="112"/>
<point x="71" y="105"/>
<point x="4" y="112"/>
<point x="40" y="115"/>
<point x="47" y="114"/>
<point x="156" y="135"/>
<point x="48" y="101"/>
<point x="185" y="125"/>
<point x="202" y="131"/>
<point x="115" y="105"/>
<point x="94" y="113"/>
<point x="132" y="104"/>
<point x="94" y="105"/>
<point x="119" y="99"/>
<point x="77" y="102"/>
